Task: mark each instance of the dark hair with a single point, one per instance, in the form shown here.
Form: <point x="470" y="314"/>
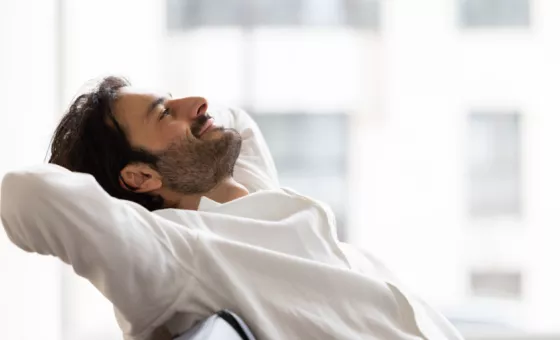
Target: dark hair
<point x="89" y="139"/>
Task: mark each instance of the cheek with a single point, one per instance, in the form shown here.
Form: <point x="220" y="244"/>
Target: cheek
<point x="175" y="131"/>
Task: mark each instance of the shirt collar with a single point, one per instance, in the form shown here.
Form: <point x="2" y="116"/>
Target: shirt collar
<point x="207" y="204"/>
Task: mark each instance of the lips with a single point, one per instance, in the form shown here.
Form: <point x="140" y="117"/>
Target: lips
<point x="206" y="127"/>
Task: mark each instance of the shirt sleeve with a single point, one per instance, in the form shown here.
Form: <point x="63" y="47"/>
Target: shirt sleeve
<point x="255" y="167"/>
<point x="129" y="254"/>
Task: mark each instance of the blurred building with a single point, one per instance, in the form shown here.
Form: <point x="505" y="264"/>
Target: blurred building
<point x="429" y="126"/>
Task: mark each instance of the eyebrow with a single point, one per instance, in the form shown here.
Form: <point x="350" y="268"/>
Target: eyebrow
<point x="154" y="104"/>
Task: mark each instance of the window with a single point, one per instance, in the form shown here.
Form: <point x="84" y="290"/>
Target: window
<point x="187" y="14"/>
<point x="274" y="12"/>
<point x="310" y="154"/>
<point x="184" y="14"/>
<point x="496" y="284"/>
<point x="363" y="13"/>
<point x="494" y="13"/>
<point x="494" y="164"/>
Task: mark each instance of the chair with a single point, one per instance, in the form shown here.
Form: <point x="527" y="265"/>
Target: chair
<point x="224" y="325"/>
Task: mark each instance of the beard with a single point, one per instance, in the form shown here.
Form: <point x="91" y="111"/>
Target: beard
<point x="195" y="166"/>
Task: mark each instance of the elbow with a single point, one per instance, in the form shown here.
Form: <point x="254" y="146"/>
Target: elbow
<point x="21" y="193"/>
<point x="25" y="196"/>
<point x="13" y="201"/>
<point x="12" y="196"/>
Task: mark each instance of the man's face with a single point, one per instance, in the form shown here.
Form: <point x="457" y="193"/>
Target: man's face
<point x="194" y="155"/>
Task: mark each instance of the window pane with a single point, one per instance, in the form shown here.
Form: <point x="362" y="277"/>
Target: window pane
<point x="480" y="13"/>
<point x="182" y="14"/>
<point x="185" y="14"/>
<point x="322" y="12"/>
<point x="494" y="164"/>
<point x="310" y="155"/>
<point x="489" y="284"/>
<point x="312" y="144"/>
<point x="363" y="13"/>
<point x="275" y="12"/>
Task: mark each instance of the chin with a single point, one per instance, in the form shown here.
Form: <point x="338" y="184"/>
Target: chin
<point x="216" y="133"/>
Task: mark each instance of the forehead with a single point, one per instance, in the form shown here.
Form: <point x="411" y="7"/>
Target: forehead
<point x="132" y="101"/>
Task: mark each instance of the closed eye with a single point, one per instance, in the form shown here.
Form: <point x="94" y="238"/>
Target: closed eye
<point x="164" y="113"/>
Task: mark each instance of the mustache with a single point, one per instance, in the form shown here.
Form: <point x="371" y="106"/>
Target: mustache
<point x="199" y="123"/>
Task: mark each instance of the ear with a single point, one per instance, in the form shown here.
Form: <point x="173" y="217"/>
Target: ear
<point x="140" y="177"/>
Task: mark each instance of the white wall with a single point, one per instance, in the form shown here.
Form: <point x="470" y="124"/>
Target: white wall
<point x="542" y="169"/>
<point x="29" y="284"/>
<point x="105" y="37"/>
<point x="273" y="69"/>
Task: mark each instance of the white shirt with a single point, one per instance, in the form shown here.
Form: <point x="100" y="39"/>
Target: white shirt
<point x="272" y="256"/>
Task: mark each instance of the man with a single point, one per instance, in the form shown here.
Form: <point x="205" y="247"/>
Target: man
<point x="221" y="234"/>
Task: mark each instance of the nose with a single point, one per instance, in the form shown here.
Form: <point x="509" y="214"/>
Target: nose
<point x="189" y="108"/>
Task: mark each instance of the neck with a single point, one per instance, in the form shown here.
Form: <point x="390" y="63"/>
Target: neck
<point x="226" y="191"/>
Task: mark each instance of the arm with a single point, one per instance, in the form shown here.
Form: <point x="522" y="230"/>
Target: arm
<point x="127" y="253"/>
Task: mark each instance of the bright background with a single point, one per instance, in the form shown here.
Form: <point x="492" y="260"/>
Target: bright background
<point x="430" y="126"/>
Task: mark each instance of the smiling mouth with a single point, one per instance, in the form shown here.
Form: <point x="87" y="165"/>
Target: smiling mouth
<point x="209" y="125"/>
